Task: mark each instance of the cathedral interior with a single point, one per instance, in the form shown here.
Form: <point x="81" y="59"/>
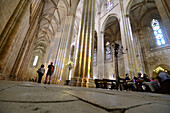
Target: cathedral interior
<point x="84" y="33"/>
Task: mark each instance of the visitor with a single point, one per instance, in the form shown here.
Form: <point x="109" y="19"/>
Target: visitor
<point x="50" y="71"/>
<point x="139" y="78"/>
<point x="128" y="83"/>
<point x="127" y="79"/>
<point x="155" y="84"/>
<point x="145" y="78"/>
<point x="148" y="83"/>
<point x="163" y="76"/>
<point x="164" y="80"/>
<point x="40" y="72"/>
<point x="139" y="82"/>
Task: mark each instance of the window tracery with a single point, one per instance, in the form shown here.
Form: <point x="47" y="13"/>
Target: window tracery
<point x="95" y="54"/>
<point x="157" y="32"/>
<point x="108" y="51"/>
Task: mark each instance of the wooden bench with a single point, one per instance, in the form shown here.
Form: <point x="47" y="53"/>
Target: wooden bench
<point x="99" y="83"/>
<point x="104" y="83"/>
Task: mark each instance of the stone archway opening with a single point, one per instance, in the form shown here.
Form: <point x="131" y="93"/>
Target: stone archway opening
<point x="161" y="68"/>
<point x="112" y="37"/>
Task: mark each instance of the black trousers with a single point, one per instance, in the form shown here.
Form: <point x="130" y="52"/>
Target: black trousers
<point x="40" y="77"/>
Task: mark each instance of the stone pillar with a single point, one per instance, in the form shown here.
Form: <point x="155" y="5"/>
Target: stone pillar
<point x="100" y="55"/>
<point x="62" y="57"/>
<point x="25" y="45"/>
<point x="55" y="50"/>
<point x="139" y="51"/>
<point x="84" y="46"/>
<point x="127" y="41"/>
<point x="116" y="49"/>
<point x="164" y="11"/>
<point x="12" y="37"/>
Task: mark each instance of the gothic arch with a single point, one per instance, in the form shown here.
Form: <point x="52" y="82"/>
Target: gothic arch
<point x="163" y="65"/>
<point x="106" y="19"/>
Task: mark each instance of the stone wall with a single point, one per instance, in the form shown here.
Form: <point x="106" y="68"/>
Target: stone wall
<point x="153" y="56"/>
<point x="7" y="8"/>
<point x="95" y="73"/>
<point x="157" y="58"/>
<point x="108" y="70"/>
<point x="15" y="34"/>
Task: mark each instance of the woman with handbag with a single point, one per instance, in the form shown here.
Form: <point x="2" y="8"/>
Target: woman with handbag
<point x="40" y="72"/>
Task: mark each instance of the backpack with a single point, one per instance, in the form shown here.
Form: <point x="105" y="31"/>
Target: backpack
<point x="52" y="69"/>
<point x="39" y="70"/>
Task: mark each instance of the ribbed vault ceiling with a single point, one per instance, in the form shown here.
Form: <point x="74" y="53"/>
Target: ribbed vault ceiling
<point x="52" y="20"/>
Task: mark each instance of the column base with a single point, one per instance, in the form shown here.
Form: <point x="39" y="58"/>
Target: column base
<point x="90" y="83"/>
<point x="61" y="83"/>
<point x="78" y="81"/>
<point x="83" y="83"/>
<point x="53" y="81"/>
<point x="73" y="81"/>
<point x="67" y="82"/>
<point x="2" y="77"/>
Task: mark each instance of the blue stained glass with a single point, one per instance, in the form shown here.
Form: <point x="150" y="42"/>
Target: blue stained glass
<point x="159" y="36"/>
<point x="163" y="41"/>
<point x="108" y="52"/>
<point x="109" y="5"/>
<point x="158" y="42"/>
<point x="157" y="32"/>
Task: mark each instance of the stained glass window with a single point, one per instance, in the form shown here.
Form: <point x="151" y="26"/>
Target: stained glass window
<point x="157" y="32"/>
<point x="108" y="51"/>
<point x="94" y="58"/>
<point x="109" y="5"/>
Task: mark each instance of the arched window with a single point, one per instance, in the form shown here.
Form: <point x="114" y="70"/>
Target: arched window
<point x="108" y="51"/>
<point x="35" y="61"/>
<point x="157" y="32"/>
<point x="94" y="58"/>
<point x="109" y="5"/>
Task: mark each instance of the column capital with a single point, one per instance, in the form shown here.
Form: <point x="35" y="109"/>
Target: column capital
<point x="71" y="15"/>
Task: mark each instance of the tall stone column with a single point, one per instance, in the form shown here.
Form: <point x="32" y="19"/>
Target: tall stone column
<point x="139" y="51"/>
<point x="83" y="68"/>
<point x="25" y="45"/>
<point x="12" y="37"/>
<point x="127" y="41"/>
<point x="164" y="11"/>
<point x="100" y="55"/>
<point x="62" y="58"/>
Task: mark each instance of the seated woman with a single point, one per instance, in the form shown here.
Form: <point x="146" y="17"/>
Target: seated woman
<point x="148" y="83"/>
<point x="155" y="84"/>
<point x="128" y="83"/>
<point x="138" y="82"/>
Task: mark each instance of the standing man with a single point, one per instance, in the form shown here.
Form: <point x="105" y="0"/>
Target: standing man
<point x="49" y="72"/>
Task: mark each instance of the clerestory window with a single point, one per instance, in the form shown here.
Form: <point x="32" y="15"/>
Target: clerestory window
<point x="35" y="61"/>
<point x="108" y="51"/>
<point x="95" y="56"/>
<point x="109" y="5"/>
<point x="160" y="40"/>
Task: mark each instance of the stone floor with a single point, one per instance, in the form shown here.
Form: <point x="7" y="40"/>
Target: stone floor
<point x="28" y="97"/>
